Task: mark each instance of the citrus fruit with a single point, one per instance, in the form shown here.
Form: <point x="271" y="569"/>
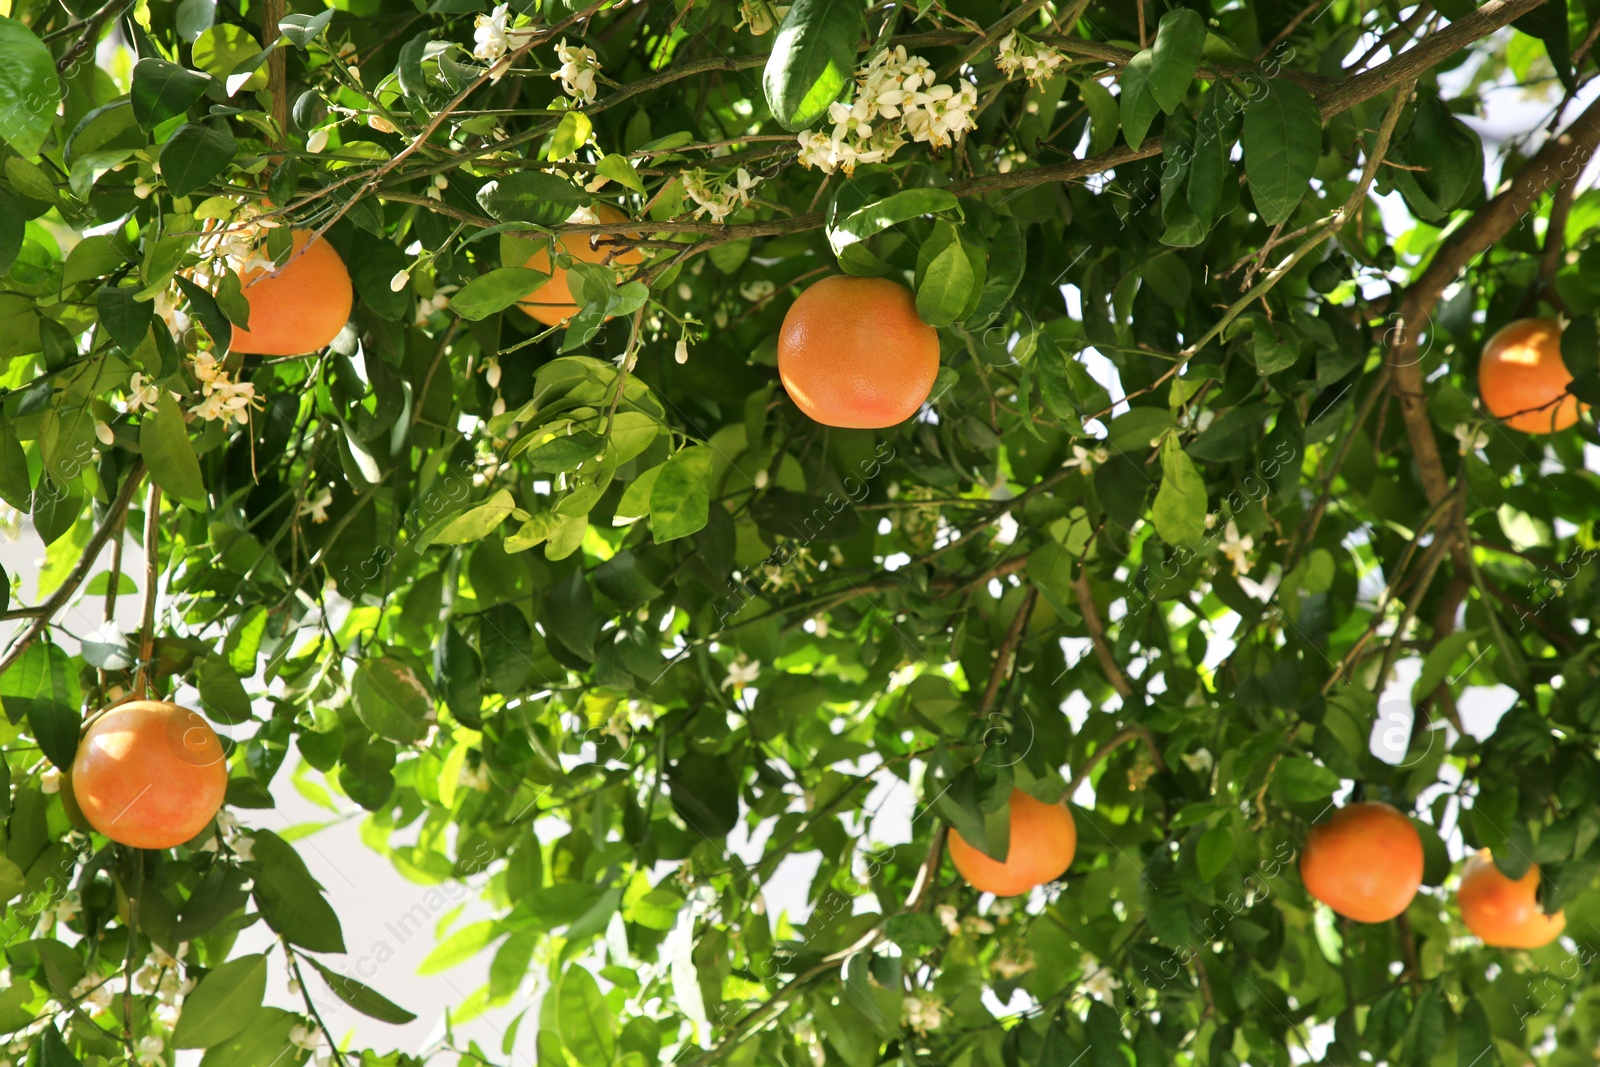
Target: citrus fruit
<point x="853" y="353"/>
<point x="1523" y="381"/>
<point x="1043" y="840"/>
<point x="150" y="774"/>
<point x="552" y="302"/>
<point x="1365" y="862"/>
<point x="1502" y="912"/>
<point x="298" y="308"/>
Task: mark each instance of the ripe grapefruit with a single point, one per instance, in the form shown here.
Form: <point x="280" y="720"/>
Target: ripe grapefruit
<point x="1365" y="862"/>
<point x="299" y="308"/>
<point x="853" y="353"/>
<point x="1523" y="381"/>
<point x="150" y="774"/>
<point x="1043" y="840"/>
<point x="1504" y="913"/>
<point x="552" y="302"/>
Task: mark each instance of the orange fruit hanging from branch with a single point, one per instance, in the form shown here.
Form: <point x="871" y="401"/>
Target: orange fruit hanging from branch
<point x="1364" y="862"/>
<point x="150" y="774"/>
<point x="1523" y="381"/>
<point x="854" y="353"/>
<point x="298" y="308"/>
<point x="1044" y="839"/>
<point x="1502" y="912"/>
<point x="552" y="303"/>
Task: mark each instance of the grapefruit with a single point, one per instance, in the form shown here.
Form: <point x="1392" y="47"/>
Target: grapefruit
<point x="298" y="308"/>
<point x="1523" y="381"/>
<point x="552" y="303"/>
<point x="150" y="774"/>
<point x="1043" y="840"/>
<point x="1365" y="862"/>
<point x="853" y="353"/>
<point x="1505" y="913"/>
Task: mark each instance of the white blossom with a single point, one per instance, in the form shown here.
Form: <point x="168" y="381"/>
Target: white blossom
<point x="243" y="847"/>
<point x="924" y="1012"/>
<point x="680" y="351"/>
<point x="1018" y="54"/>
<point x="1199" y="761"/>
<point x="1086" y="459"/>
<point x="741" y="673"/>
<point x="317" y="506"/>
<point x="1472" y="436"/>
<point x="1237" y="548"/>
<point x="759" y="16"/>
<point x="318" y="140"/>
<point x="1007" y="965"/>
<point x="948" y="918"/>
<point x="1098" y="982"/>
<point x="493" y="38"/>
<point x="50" y="781"/>
<point x="718" y="199"/>
<point x="577" y="74"/>
<point x="149" y="1051"/>
<point x="399" y="281"/>
<point x="10" y="522"/>
<point x="896" y="100"/>
<point x="102" y="432"/>
<point x="305" y="1037"/>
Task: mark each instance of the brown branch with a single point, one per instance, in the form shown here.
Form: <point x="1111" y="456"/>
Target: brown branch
<point x="1561" y="159"/>
<point x="1097" y="635"/>
<point x="1122" y="737"/>
<point x="1005" y="655"/>
<point x="43" y="614"/>
<point x="152" y="570"/>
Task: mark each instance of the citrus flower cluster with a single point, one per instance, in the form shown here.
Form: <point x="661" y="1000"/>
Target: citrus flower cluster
<point x="579" y="65"/>
<point x="896" y="102"/>
<point x="223" y="398"/>
<point x="1020" y="55"/>
<point x="493" y="37"/>
<point x="718" y="199"/>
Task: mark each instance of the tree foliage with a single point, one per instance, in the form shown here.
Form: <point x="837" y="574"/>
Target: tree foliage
<point x="1202" y="469"/>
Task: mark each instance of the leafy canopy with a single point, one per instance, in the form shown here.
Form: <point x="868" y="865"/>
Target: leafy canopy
<point x="590" y="619"/>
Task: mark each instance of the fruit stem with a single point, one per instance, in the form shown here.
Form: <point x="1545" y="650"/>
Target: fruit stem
<point x="133" y="888"/>
<point x="152" y="535"/>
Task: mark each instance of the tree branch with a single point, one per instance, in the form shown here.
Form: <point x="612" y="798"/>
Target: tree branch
<point x="1561" y="159"/>
<point x="44" y="613"/>
<point x="1097" y="635"/>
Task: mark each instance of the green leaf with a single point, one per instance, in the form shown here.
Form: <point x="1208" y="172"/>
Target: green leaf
<point x="362" y="998"/>
<point x="125" y="318"/>
<point x="1138" y="100"/>
<point x="262" y="1041"/>
<point x="680" y="499"/>
<point x="289" y="898"/>
<point x="391" y="700"/>
<point x="222" y="1003"/>
<point x="42" y="687"/>
<point x="52" y="1051"/>
<point x="476" y="523"/>
<point x="495" y="291"/>
<point x="1175" y="56"/>
<point x="1303" y="781"/>
<point x="221" y="692"/>
<point x="194" y="156"/>
<point x="705" y="794"/>
<point x="859" y="223"/>
<point x="29" y="88"/>
<point x="572" y="133"/>
<point x="13" y="231"/>
<point x="164" y="443"/>
<point x="945" y="278"/>
<point x="566" y="452"/>
<point x="532" y="197"/>
<point x="1475" y="1041"/>
<point x="224" y="48"/>
<point x="588" y="1029"/>
<point x="1104" y="115"/>
<point x="619" y="170"/>
<point x="812" y="61"/>
<point x="301" y="30"/>
<point x="1214" y="851"/>
<point x="1181" y="503"/>
<point x="163" y="90"/>
<point x="1282" y="141"/>
<point x="461" y="946"/>
<point x="1441" y="661"/>
<point x="16" y="485"/>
